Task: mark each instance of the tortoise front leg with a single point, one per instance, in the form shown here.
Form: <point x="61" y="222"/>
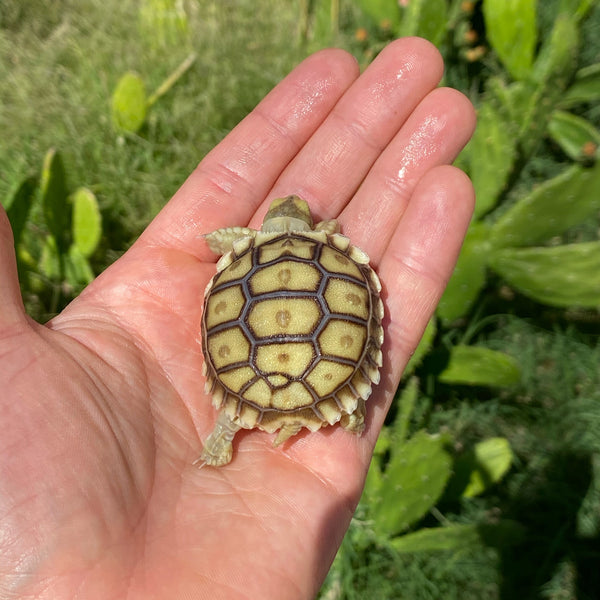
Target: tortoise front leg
<point x="221" y="241"/>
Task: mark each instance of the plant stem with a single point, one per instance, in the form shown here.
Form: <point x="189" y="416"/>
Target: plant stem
<point x="170" y="81"/>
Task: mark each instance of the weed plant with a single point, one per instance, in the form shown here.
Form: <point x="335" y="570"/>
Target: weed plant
<point x="60" y="63"/>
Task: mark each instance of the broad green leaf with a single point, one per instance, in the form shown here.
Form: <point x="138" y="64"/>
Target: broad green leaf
<point x="475" y="365"/>
<point x="406" y="404"/>
<point x="129" y="103"/>
<point x="75" y="269"/>
<point x="25" y="258"/>
<point x="324" y="18"/>
<point x="585" y="87"/>
<point x="552" y="70"/>
<point x="413" y="481"/>
<point x="511" y="30"/>
<point x="78" y="272"/>
<point x="164" y="22"/>
<point x="477" y="469"/>
<point x="469" y="275"/>
<point x="87" y="221"/>
<point x="49" y="263"/>
<point x="375" y="474"/>
<point x="492" y="152"/>
<point x="523" y="108"/>
<point x="550" y="209"/>
<point x="564" y="276"/>
<point x="422" y="349"/>
<point x="557" y="58"/>
<point x="510" y="101"/>
<point x="583" y="7"/>
<point x="533" y="106"/>
<point x="578" y="138"/>
<point x="19" y="207"/>
<point x="459" y="537"/>
<point x="452" y="537"/>
<point x="373" y="480"/>
<point x="57" y="211"/>
<point x="491" y="460"/>
<point x="381" y="11"/>
<point x="425" y="18"/>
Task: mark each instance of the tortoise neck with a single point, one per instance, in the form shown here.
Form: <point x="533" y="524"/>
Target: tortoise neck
<point x="283" y="224"/>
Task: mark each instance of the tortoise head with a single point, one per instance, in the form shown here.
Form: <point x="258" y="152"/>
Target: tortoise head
<point x="288" y="214"/>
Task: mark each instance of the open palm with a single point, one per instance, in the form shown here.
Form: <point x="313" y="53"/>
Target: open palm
<point x="102" y="409"/>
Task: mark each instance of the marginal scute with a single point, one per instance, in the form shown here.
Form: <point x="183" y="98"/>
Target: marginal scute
<point x="248" y="416"/>
<point x="330" y="411"/>
<point x="373" y="373"/>
<point x="375" y="282"/>
<point x="291" y="329"/>
<point x="378" y="310"/>
<point x="240" y="246"/>
<point x="224" y="261"/>
<point x="377" y="357"/>
<point x="357" y="255"/>
<point x="347" y="399"/>
<point x="341" y="242"/>
<point x="317" y="236"/>
<point x="218" y="395"/>
<point x="362" y="384"/>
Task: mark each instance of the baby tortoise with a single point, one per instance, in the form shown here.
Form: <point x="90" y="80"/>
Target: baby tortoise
<point x="291" y="329"/>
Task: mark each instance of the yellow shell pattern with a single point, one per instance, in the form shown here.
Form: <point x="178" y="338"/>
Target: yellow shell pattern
<point x="292" y="330"/>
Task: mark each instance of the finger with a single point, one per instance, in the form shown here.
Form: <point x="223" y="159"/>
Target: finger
<point x="332" y="164"/>
<point x="11" y="304"/>
<point x="234" y="178"/>
<point x="418" y="263"/>
<point x="433" y="135"/>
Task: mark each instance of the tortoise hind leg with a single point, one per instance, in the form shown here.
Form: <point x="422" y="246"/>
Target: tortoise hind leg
<point x="355" y="421"/>
<point x="218" y="448"/>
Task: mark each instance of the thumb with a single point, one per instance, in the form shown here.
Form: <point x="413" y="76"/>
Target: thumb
<point x="12" y="310"/>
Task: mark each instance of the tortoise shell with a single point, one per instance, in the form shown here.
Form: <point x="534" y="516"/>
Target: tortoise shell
<point x="291" y="332"/>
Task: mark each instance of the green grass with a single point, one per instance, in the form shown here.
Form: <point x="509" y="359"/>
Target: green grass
<point x="60" y="67"/>
<point x="552" y="420"/>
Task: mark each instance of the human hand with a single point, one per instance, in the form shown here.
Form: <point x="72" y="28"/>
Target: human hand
<point x="103" y="411"/>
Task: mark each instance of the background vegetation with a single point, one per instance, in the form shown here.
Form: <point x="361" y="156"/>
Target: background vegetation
<point x="486" y="479"/>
